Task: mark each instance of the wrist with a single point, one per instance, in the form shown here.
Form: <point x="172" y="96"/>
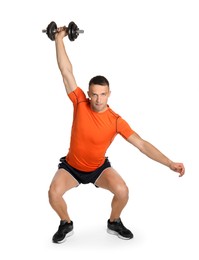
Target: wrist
<point x="58" y="37"/>
<point x="170" y="164"/>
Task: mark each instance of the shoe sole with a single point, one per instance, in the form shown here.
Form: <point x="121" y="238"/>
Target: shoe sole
<point x="112" y="232"/>
<point x="67" y="235"/>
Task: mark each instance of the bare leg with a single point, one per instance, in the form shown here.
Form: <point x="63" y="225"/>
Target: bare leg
<point x="61" y="183"/>
<point x="113" y="182"/>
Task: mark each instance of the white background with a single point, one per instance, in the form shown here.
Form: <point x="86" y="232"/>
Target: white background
<point x="149" y="51"/>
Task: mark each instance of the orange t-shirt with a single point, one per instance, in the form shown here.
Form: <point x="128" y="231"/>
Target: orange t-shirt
<point x="92" y="133"/>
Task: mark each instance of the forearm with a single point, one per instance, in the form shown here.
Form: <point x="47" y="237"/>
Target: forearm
<point x="62" y="57"/>
<point x="154" y="154"/>
<point x="64" y="63"/>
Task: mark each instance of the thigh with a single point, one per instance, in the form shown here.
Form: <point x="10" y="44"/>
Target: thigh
<point x="63" y="181"/>
<point x="110" y="180"/>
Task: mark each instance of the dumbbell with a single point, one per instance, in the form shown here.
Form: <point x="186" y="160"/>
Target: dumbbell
<point x="72" y="30"/>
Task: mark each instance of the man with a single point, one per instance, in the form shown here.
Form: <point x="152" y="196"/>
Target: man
<point x="94" y="127"/>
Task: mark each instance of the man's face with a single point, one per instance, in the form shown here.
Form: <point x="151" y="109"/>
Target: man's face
<point x="98" y="97"/>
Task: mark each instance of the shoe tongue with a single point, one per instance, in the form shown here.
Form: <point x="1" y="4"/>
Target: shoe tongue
<point x="63" y="222"/>
<point x="117" y="220"/>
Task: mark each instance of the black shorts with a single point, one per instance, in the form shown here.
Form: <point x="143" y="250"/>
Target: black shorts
<point x="81" y="176"/>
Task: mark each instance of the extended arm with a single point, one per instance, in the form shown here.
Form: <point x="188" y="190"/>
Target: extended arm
<point x="153" y="153"/>
<point x="63" y="62"/>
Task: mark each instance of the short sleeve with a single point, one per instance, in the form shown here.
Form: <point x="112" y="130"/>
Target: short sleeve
<point x="123" y="128"/>
<point x="77" y="96"/>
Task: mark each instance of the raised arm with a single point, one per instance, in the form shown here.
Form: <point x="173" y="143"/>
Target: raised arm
<point x="63" y="61"/>
<point x="154" y="154"/>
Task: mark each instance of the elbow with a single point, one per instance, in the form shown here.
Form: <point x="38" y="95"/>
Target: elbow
<point x="137" y="141"/>
<point x="141" y="149"/>
<point x="64" y="70"/>
<point x="141" y="146"/>
<point x="66" y="73"/>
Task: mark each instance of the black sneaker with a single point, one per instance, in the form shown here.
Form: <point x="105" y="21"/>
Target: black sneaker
<point x="117" y="228"/>
<point x="65" y="230"/>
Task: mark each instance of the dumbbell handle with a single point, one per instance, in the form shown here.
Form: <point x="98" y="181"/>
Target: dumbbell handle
<point x="78" y="31"/>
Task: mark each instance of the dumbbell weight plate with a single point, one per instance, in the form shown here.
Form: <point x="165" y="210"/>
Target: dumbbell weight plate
<point x="72" y="31"/>
<point x="51" y="29"/>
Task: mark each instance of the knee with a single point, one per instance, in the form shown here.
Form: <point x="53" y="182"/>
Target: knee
<point x="53" y="193"/>
<point x="122" y="191"/>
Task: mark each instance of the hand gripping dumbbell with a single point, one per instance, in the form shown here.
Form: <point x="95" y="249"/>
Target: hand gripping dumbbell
<point x="72" y="31"/>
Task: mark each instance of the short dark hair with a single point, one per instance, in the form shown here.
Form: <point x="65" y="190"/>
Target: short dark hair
<point x="99" y="80"/>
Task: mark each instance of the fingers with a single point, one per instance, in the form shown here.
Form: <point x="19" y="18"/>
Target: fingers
<point x="182" y="172"/>
<point x="178" y="167"/>
<point x="61" y="32"/>
<point x="63" y="28"/>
